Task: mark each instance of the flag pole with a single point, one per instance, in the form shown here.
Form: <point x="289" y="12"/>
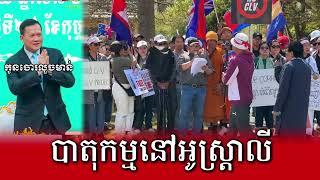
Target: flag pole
<point x="215" y="11"/>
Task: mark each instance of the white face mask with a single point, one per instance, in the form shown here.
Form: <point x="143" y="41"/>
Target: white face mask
<point x="160" y="47"/>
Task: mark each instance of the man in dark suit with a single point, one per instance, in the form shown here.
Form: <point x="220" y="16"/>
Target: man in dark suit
<point x="39" y="103"/>
<point x="291" y="108"/>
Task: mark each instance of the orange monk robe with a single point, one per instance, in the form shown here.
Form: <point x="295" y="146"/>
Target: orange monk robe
<point x="213" y="109"/>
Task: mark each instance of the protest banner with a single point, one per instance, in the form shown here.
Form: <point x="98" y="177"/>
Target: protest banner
<point x="314" y="99"/>
<point x="264" y="88"/>
<point x="251" y="11"/>
<point x="148" y="82"/>
<point x="139" y="81"/>
<point x="96" y="75"/>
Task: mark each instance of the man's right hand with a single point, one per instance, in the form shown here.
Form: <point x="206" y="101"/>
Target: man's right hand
<point x="44" y="58"/>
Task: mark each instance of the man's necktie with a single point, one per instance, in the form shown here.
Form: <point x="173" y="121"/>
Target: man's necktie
<point x="35" y="60"/>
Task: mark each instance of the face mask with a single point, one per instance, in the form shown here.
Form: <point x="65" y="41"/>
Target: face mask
<point x="160" y="48"/>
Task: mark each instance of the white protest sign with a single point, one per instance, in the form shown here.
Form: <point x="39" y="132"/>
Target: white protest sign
<point x="136" y="82"/>
<point x="314" y="99"/>
<point x="96" y="75"/>
<point x="264" y="88"/>
<point x="197" y="65"/>
<point x="148" y="82"/>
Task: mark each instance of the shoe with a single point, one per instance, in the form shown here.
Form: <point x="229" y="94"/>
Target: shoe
<point x="223" y="131"/>
<point x="136" y="131"/>
<point x="151" y="130"/>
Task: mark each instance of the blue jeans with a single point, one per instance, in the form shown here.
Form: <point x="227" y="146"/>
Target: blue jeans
<point x="108" y="105"/>
<point x="192" y="105"/>
<point x="177" y="118"/>
<point x="94" y="116"/>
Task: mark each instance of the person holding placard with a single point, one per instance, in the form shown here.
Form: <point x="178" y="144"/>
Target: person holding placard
<point x="315" y="53"/>
<point x="94" y="104"/>
<point x="264" y="61"/>
<point x="311" y="62"/>
<point x="144" y="113"/>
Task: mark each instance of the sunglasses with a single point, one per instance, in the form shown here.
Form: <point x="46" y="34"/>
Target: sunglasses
<point x="315" y="44"/>
<point x="143" y="47"/>
<point x="162" y="44"/>
<point x="96" y="44"/>
<point x="275" y="46"/>
<point x="264" y="48"/>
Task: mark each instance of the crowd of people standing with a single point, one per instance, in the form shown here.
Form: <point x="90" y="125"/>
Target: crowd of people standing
<point x="217" y="98"/>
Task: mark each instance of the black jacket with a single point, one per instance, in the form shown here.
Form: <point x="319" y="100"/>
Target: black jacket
<point x="161" y="65"/>
<point x="31" y="99"/>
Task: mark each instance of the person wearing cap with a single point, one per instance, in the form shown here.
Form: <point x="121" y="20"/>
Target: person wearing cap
<point x="136" y="39"/>
<point x="311" y="62"/>
<point x="309" y="59"/>
<point x="278" y="59"/>
<point x="225" y="34"/>
<point x="193" y="88"/>
<point x="161" y="65"/>
<point x="143" y="106"/>
<point x="124" y="101"/>
<point x="214" y="111"/>
<point x="94" y="104"/>
<point x="293" y="94"/>
<point x="284" y="42"/>
<point x="238" y="78"/>
<point x="107" y="94"/>
<point x="105" y="49"/>
<point x="264" y="61"/>
<point x="314" y="35"/>
<point x="179" y="43"/>
<point x="256" y="41"/>
<point x="315" y="54"/>
<point x="315" y="40"/>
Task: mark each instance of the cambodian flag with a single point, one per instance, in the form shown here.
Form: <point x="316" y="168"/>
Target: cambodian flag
<point x="119" y="21"/>
<point x="278" y="21"/>
<point x="197" y="26"/>
<point x="208" y="7"/>
<point x="234" y="27"/>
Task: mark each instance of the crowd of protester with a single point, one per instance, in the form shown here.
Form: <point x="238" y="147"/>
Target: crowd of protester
<point x="216" y="99"/>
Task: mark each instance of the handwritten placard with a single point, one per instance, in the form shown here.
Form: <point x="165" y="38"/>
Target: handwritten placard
<point x="314" y="99"/>
<point x="264" y="88"/>
<point x="96" y="75"/>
